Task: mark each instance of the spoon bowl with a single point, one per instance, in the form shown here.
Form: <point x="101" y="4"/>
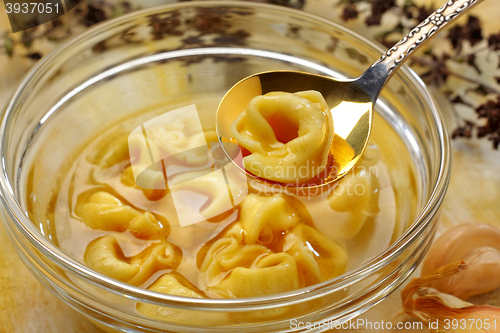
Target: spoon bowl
<point x="350" y="105"/>
<point x="351" y="102"/>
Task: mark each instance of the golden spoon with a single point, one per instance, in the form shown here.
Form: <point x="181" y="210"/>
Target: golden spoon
<point x="351" y="101"/>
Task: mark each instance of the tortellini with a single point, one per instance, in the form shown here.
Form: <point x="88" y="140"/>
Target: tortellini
<point x="212" y="198"/>
<point x="171" y="143"/>
<point x="104" y="211"/>
<point x="263" y="218"/>
<point x="146" y="226"/>
<point x="271" y="274"/>
<point x="359" y="199"/>
<point x="154" y="191"/>
<point x="176" y="284"/>
<point x="236" y="270"/>
<point x="351" y="208"/>
<point x="270" y="249"/>
<point x="288" y="135"/>
<point x="101" y="210"/>
<point x="318" y="257"/>
<point x="226" y="254"/>
<point x="112" y="152"/>
<point x="105" y="256"/>
<point x="178" y="135"/>
<point x="361" y="187"/>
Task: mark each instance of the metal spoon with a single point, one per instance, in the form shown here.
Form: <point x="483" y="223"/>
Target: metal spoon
<point x="352" y="101"/>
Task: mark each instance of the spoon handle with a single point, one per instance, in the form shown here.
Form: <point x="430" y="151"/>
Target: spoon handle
<point x="377" y="75"/>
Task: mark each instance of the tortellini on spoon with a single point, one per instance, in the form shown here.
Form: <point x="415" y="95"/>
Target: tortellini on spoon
<point x="288" y="136"/>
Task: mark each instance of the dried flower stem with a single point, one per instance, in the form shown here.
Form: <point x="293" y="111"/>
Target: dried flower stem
<point x="432" y="64"/>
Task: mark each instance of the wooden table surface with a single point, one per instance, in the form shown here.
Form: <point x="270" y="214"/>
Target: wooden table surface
<point x="473" y="196"/>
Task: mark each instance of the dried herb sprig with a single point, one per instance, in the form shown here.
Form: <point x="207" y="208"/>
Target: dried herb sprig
<point x="491" y="112"/>
<point x="435" y="66"/>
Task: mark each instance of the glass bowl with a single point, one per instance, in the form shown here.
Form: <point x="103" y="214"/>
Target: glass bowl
<point x="196" y="51"/>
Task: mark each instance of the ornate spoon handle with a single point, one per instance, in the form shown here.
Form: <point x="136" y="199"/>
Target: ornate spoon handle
<point x="376" y="76"/>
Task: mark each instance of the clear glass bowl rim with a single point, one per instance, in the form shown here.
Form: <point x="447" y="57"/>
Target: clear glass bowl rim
<point x="28" y="229"/>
